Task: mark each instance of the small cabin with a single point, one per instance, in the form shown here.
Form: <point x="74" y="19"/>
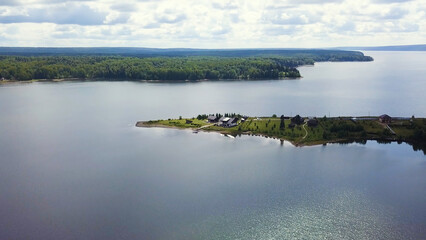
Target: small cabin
<point x="212" y="118"/>
<point x="313" y="122"/>
<point x="385" y="118"/>
<point x="297" y="120"/>
<point x="188" y="121"/>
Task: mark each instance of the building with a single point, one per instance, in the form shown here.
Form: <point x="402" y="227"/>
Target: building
<point x="385" y="118"/>
<point x="232" y="122"/>
<point x="297" y="120"/>
<point x="223" y="120"/>
<point x="188" y="121"/>
<point x="212" y="118"/>
<point x="313" y="122"/>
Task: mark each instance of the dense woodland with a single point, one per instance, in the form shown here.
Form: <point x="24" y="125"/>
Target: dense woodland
<point x="165" y="67"/>
<point x="160" y="68"/>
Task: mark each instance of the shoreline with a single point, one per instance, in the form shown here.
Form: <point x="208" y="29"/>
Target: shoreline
<point x="142" y="124"/>
<point x="139" y="80"/>
<point x="308" y="132"/>
<point x="146" y="124"/>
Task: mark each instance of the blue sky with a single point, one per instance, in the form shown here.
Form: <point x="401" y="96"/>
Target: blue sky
<point x="212" y="24"/>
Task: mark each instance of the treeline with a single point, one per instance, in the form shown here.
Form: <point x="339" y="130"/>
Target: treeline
<point x="218" y="115"/>
<point x="158" y="68"/>
<point x="315" y="54"/>
<point x="214" y="64"/>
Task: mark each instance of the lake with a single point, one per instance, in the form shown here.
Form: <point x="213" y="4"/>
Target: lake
<point x="73" y="166"/>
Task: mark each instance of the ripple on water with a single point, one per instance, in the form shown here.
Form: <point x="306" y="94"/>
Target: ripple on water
<point x="343" y="214"/>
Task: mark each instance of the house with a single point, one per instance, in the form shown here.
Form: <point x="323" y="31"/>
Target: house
<point x="223" y="120"/>
<point x="385" y="118"/>
<point x="212" y="118"/>
<point x="188" y="121"/>
<point x="232" y="122"/>
<point x="297" y="120"/>
<point x="313" y="122"/>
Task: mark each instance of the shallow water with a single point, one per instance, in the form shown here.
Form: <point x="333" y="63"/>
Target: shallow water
<point x="73" y="166"/>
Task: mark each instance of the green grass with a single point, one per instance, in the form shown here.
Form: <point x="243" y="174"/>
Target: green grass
<point x="328" y="130"/>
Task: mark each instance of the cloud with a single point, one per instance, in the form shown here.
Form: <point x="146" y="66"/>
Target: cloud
<point x="124" y="7"/>
<point x="118" y="19"/>
<point x="280" y="30"/>
<point x="64" y="14"/>
<point x="225" y="5"/>
<point x="170" y="17"/>
<point x="346" y="27"/>
<point x="315" y="1"/>
<point x="292" y="17"/>
<point x="394" y="13"/>
<point x="216" y="23"/>
<point x="9" y="3"/>
<point x="391" y="1"/>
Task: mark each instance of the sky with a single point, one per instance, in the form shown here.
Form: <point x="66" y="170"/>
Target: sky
<point x="212" y="24"/>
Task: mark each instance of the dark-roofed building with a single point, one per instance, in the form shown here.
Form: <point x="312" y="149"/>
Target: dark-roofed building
<point x="232" y="122"/>
<point x="297" y="120"/>
<point x="313" y="122"/>
<point x="188" y="121"/>
<point x="212" y="118"/>
<point x="223" y="121"/>
<point x="385" y="118"/>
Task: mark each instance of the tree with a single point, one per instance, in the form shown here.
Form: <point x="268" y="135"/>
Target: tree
<point x="282" y="124"/>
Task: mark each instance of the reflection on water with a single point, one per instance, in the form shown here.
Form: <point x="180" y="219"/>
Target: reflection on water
<point x="416" y="146"/>
<point x="306" y="218"/>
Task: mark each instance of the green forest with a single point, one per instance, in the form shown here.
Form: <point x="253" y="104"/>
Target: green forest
<point x="21" y="68"/>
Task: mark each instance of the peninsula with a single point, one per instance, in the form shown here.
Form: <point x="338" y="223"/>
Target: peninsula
<point x="302" y="131"/>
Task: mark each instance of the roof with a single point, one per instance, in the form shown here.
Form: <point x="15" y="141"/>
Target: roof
<point x="233" y="120"/>
<point x="212" y="117"/>
<point x="384" y="116"/>
<point x="224" y="119"/>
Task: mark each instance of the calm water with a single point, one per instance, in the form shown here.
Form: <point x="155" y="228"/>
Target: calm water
<point x="73" y="166"/>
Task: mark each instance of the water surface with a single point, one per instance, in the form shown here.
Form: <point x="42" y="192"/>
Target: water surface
<point x="73" y="166"/>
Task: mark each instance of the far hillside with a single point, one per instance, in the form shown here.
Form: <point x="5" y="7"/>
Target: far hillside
<point x="419" y="47"/>
<point x="316" y="54"/>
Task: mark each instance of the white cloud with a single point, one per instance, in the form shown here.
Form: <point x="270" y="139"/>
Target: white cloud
<point x="62" y="14"/>
<point x="205" y="24"/>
